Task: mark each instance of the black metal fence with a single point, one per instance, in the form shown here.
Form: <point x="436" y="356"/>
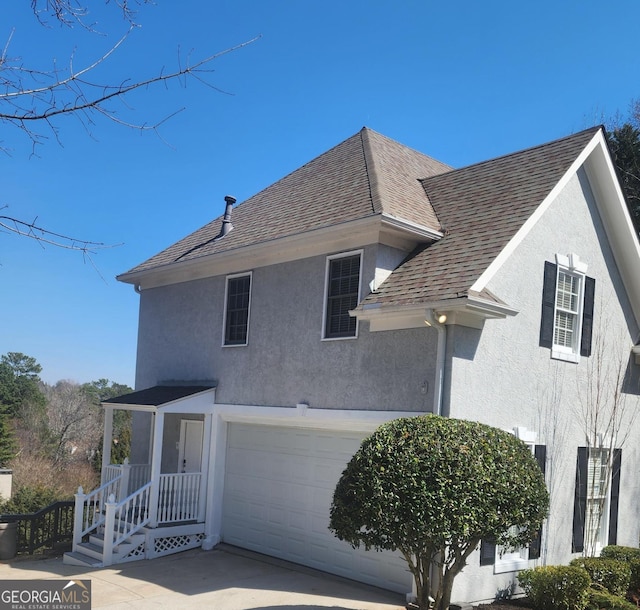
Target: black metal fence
<point x="49" y="528"/>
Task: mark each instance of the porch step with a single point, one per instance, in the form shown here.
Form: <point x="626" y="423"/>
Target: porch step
<point x="91" y="550"/>
<point x="74" y="558"/>
<point x="97" y="540"/>
<point x="91" y="553"/>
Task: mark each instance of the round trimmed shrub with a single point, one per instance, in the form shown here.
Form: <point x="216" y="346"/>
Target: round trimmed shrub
<point x="603" y="600"/>
<point x="611" y="574"/>
<point x="632" y="556"/>
<point x="556" y="587"/>
<point x="432" y="487"/>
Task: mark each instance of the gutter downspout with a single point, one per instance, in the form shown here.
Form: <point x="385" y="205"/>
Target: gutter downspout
<point x="438" y="322"/>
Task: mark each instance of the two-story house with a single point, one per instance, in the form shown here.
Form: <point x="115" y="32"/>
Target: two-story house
<point x="371" y="283"/>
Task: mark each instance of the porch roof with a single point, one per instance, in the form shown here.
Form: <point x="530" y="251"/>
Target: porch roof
<point x="170" y="398"/>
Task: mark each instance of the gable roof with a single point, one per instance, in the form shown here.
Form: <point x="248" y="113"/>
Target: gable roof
<point x="481" y="208"/>
<point x="366" y="175"/>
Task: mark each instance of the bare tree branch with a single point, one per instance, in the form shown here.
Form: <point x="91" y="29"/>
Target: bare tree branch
<point x="33" y="99"/>
<point x="46" y="237"/>
<point x="72" y="12"/>
<point x="29" y="96"/>
<point x="607" y="418"/>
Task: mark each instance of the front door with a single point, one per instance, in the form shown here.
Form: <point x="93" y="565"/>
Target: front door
<point x="190" y="450"/>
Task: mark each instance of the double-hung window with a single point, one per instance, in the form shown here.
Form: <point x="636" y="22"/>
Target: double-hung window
<point x="342" y="292"/>
<point x="595" y="510"/>
<point x="236" y="313"/>
<point x="511" y="560"/>
<point x="567" y="309"/>
<point x="568" y="292"/>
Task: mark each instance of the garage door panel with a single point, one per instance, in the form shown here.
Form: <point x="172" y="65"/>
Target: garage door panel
<point x="278" y="490"/>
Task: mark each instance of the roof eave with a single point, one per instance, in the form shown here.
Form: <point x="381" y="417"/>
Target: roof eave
<point x="198" y="402"/>
<point x="420" y="232"/>
<point x="466" y="311"/>
<point x="377" y="228"/>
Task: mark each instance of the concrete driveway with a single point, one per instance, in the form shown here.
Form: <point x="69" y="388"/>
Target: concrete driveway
<point x="222" y="579"/>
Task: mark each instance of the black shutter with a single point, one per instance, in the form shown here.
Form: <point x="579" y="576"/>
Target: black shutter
<point x="580" y="501"/>
<point x="615" y="495"/>
<point x="487" y="552"/>
<point x="540" y="452"/>
<point x="548" y="304"/>
<point x="587" y="316"/>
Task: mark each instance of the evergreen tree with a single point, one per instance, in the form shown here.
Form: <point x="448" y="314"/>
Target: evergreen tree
<point x="623" y="137"/>
<point x="19" y="387"/>
<point x="624" y="143"/>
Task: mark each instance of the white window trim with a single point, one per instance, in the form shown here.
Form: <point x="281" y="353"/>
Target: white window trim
<point x="519" y="558"/>
<point x="326" y="292"/>
<point x="572" y="265"/>
<point x="604" y="443"/>
<point x="224" y="316"/>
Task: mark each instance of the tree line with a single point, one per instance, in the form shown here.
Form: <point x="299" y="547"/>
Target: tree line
<point x="51" y="434"/>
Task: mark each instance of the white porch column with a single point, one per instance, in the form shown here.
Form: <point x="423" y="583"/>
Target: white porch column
<point x="156" y="463"/>
<point x="204" y="470"/>
<point x="107" y="439"/>
<point x="215" y="483"/>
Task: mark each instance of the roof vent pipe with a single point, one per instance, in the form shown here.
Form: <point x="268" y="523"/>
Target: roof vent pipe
<point x="226" y="219"/>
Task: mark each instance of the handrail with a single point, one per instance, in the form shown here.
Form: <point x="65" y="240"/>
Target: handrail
<point x="123" y="519"/>
<point x="46" y="527"/>
<point x="89" y="509"/>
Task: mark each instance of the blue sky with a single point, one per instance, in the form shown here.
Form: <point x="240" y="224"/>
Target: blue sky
<point x="462" y="81"/>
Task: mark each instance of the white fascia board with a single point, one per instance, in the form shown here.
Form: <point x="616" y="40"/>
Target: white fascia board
<point x="489" y="309"/>
<point x="488" y="274"/>
<point x="470" y="310"/>
<point x="421" y="232"/>
<point x="346" y="236"/>
<point x="302" y="245"/>
<point x="200" y="403"/>
<point x="395" y="317"/>
<point x="347" y="420"/>
<point x="617" y="221"/>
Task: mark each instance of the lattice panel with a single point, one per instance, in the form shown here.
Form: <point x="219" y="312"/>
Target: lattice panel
<point x="138" y="552"/>
<point x="173" y="544"/>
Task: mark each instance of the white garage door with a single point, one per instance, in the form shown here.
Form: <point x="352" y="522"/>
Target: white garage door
<point x="278" y="489"/>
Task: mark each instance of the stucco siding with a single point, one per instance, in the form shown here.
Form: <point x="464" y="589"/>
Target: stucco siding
<point x="501" y="376"/>
<point x="286" y="360"/>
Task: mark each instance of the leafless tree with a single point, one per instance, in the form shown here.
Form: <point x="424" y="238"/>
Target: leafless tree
<point x="34" y="99"/>
<point x="74" y="421"/>
<point x="553" y="428"/>
<point x="607" y="411"/>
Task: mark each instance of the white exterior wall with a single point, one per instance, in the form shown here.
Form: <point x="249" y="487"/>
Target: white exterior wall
<point x="501" y="376"/>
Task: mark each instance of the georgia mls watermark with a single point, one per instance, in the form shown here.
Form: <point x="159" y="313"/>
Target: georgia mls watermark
<point x="45" y="595"/>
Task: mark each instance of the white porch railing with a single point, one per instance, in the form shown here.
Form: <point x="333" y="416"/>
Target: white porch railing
<point x="112" y="471"/>
<point x="139" y="475"/>
<point x="89" y="509"/>
<point x="134" y="475"/>
<point x="123" y="519"/>
<point x="179" y="497"/>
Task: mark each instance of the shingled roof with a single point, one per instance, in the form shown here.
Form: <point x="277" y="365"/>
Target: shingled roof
<point x="480" y="208"/>
<point x="367" y="174"/>
<point x="157" y="395"/>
